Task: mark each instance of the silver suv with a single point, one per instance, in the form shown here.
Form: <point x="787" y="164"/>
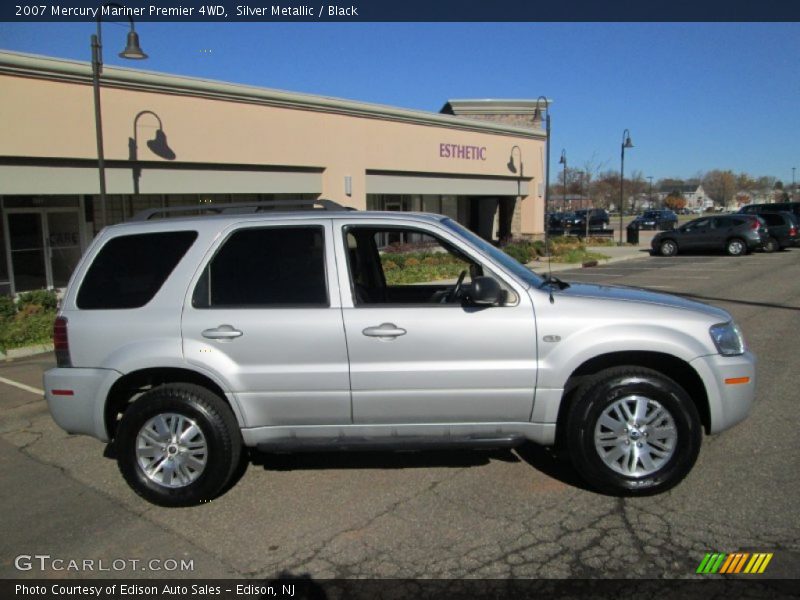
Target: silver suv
<point x="183" y="340"/>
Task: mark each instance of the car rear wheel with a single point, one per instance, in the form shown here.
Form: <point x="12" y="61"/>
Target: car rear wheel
<point x="668" y="248"/>
<point x="178" y="445"/>
<point x="736" y="247"/>
<point x="633" y="431"/>
<point x="771" y="245"/>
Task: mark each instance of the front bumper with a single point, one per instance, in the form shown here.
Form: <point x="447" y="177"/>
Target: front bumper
<point x="729" y="397"/>
<point x="76" y="399"/>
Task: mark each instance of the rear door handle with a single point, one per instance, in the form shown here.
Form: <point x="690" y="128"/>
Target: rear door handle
<point x="384" y="330"/>
<point x="223" y="332"/>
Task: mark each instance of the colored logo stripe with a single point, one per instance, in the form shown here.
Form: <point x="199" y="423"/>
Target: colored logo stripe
<point x="734" y="563"/>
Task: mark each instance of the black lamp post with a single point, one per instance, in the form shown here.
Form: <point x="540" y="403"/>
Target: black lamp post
<point x="131" y="51"/>
<point x="626" y="143"/>
<point x="537" y="123"/>
<point x="563" y="161"/>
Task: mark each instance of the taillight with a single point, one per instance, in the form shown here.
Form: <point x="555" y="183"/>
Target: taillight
<point x="755" y="224"/>
<point x="61" y="342"/>
<point x="792" y="231"/>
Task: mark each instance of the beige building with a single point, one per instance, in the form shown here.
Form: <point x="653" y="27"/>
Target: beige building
<point x="175" y="141"/>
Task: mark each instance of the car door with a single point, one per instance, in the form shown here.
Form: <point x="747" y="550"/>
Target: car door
<point x="263" y="316"/>
<point x="695" y="235"/>
<point x="416" y="357"/>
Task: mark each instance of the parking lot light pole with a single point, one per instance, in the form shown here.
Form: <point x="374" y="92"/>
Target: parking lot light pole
<point x="132" y="51"/>
<point x="563" y="161"/>
<point x="537" y="122"/>
<point x="626" y="143"/>
<point x="650" y="192"/>
<point x="794" y="189"/>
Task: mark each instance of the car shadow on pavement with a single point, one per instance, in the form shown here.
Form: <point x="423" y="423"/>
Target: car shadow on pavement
<point x="356" y="459"/>
<point x="552" y="463"/>
<point x="545" y="460"/>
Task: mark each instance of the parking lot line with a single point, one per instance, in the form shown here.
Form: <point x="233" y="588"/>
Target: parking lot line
<point x="22" y="386"/>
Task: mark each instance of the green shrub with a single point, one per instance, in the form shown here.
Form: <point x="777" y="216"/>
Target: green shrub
<point x="26" y="330"/>
<point x="8" y="308"/>
<point x="47" y="299"/>
<point x="521" y="251"/>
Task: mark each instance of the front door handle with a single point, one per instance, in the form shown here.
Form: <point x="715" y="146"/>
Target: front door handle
<point x="223" y="332"/>
<point x="385" y="330"/>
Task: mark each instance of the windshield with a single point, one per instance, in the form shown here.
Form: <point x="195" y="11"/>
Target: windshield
<point x="507" y="262"/>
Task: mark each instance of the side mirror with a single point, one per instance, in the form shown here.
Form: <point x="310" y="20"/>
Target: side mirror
<point x="485" y="291"/>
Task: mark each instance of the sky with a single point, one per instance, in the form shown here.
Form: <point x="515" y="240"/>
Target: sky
<point x="695" y="96"/>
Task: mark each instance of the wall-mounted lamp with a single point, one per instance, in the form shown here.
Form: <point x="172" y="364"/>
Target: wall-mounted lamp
<point x="511" y="166"/>
<point x="348" y="185"/>
<point x="158" y="146"/>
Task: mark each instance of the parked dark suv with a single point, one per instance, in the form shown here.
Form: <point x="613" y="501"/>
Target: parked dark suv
<point x="656" y="219"/>
<point x="735" y="234"/>
<point x="781" y="230"/>
<point x="757" y="209"/>
<point x="598" y="218"/>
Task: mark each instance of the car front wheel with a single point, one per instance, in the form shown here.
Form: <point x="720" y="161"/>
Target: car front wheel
<point x="633" y="431"/>
<point x="772" y="245"/>
<point x="736" y="247"/>
<point x="178" y="445"/>
<point x="668" y="248"/>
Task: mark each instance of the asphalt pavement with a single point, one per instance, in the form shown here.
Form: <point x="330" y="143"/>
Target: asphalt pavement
<point x="435" y="514"/>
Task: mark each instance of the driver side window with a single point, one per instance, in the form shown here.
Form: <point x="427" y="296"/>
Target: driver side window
<point x="405" y="266"/>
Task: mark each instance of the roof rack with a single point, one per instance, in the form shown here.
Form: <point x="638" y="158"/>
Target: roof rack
<point x="236" y="207"/>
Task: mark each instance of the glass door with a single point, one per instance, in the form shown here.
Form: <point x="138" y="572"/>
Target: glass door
<point x="26" y="243"/>
<point x="64" y="246"/>
<point x="44" y="245"/>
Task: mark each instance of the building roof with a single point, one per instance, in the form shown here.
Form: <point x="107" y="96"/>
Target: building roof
<point x="489" y="106"/>
<point x="29" y="65"/>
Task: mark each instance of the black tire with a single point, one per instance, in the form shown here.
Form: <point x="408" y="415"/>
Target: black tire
<point x="668" y="248"/>
<point x="771" y="245"/>
<point x="736" y="247"/>
<point x="219" y="435"/>
<point x="587" y="418"/>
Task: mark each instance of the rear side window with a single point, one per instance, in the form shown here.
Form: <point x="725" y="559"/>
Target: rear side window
<point x="130" y="269"/>
<point x="772" y="219"/>
<point x="266" y="267"/>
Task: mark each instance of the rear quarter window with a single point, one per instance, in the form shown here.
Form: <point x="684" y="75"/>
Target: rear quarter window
<point x="129" y="270"/>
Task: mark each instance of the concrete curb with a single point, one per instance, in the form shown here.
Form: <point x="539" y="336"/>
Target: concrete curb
<point x="15" y="353"/>
<point x="540" y="266"/>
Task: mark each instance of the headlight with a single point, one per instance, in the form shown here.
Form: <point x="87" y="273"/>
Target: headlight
<point x="728" y="338"/>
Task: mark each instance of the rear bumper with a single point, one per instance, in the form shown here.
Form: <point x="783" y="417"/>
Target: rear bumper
<point x="730" y="397"/>
<point x="76" y="399"/>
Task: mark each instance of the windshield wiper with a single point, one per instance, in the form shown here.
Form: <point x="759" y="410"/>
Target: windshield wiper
<point x="550" y="280"/>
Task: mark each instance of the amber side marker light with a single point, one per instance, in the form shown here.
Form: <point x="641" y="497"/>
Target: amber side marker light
<point x="737" y="380"/>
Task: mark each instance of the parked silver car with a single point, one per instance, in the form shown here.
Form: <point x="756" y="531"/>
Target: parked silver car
<point x="183" y="340"/>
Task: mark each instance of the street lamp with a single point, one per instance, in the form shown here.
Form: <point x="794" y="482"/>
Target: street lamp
<point x="794" y="190"/>
<point x="563" y="161"/>
<point x="537" y="123"/>
<point x="626" y="143"/>
<point x="132" y="51"/>
<point x="650" y="193"/>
